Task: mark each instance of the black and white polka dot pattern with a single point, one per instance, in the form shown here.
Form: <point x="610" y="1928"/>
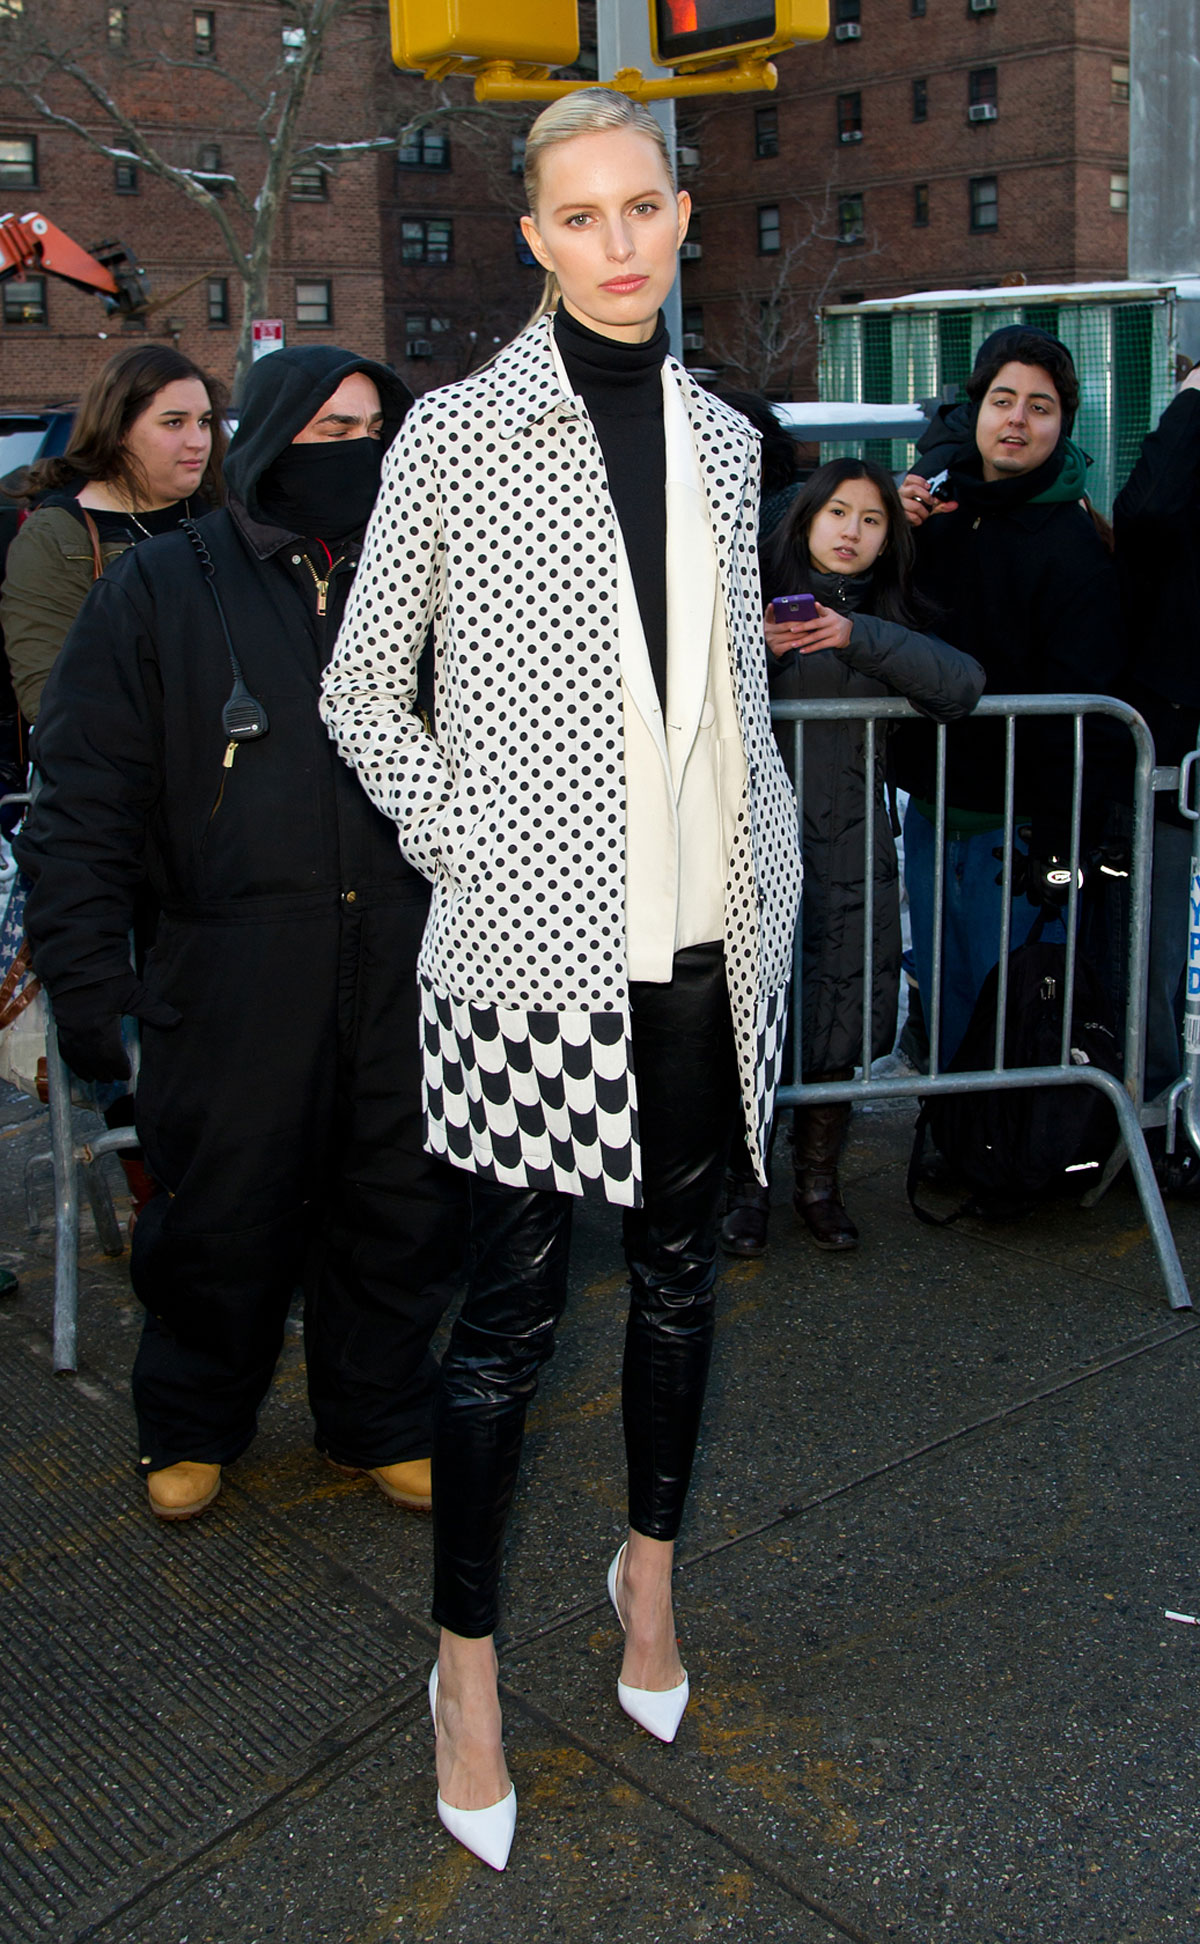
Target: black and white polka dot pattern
<point x="495" y="524"/>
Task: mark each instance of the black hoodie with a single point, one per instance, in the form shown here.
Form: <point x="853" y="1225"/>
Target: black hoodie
<point x="140" y="778"/>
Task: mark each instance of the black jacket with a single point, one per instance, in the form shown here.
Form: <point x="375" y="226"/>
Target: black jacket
<point x="1156" y="520"/>
<point x="140" y="781"/>
<point x="1031" y="592"/>
<point x="882" y="658"/>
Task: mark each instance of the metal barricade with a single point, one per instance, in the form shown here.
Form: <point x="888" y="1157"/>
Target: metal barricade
<point x="1126" y="1098"/>
<point x="1184" y="1096"/>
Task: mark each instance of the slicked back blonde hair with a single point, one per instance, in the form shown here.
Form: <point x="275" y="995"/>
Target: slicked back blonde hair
<point x="589" y="111"/>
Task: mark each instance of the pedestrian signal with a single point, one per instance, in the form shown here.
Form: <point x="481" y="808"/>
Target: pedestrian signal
<point x="544" y="33"/>
<point x="683" y="32"/>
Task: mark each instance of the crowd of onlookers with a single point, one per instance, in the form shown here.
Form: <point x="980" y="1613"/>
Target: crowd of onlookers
<point x="985" y="567"/>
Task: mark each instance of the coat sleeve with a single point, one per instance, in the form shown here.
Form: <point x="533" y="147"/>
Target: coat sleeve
<point x="1159" y="499"/>
<point x="368" y="694"/>
<point x="43" y="592"/>
<point x="98" y="750"/>
<point x="937" y="679"/>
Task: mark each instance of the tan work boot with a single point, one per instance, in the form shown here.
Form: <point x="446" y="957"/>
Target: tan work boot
<point x="181" y="1491"/>
<point x="408" y="1484"/>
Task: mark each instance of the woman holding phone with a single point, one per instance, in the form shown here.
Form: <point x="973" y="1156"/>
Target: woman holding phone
<point x="843" y="621"/>
<point x="612" y="845"/>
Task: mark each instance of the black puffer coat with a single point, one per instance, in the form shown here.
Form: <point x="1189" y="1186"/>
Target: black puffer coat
<point x="882" y="658"/>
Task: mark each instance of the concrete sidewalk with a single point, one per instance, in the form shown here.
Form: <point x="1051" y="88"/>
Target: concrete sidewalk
<point x="944" y="1497"/>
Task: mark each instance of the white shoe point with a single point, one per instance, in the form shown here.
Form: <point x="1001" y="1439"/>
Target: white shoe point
<point x="487" y="1833"/>
<point x="658" y="1710"/>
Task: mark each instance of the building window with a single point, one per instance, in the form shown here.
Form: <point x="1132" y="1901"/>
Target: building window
<point x="981" y="88"/>
<point x="18" y="162"/>
<point x="917" y="9"/>
<point x="766" y="133"/>
<point x="314" y="302"/>
<point x="1118" y="193"/>
<point x="116" y="26"/>
<point x="849" y="118"/>
<point x="25" y="301"/>
<point x="920" y="205"/>
<point x="218" y="300"/>
<point x="204" y="35"/>
<point x="850" y="219"/>
<point x="847" y="10"/>
<point x="1120" y="81"/>
<point x="309" y="183"/>
<point x="208" y="168"/>
<point x="426" y="239"/>
<point x="693" y="327"/>
<point x="521" y="249"/>
<point x="985" y="202"/>
<point x="517" y="163"/>
<point x="125" y="178"/>
<point x="424" y="148"/>
<point x="768" y="230"/>
<point x="294" y="42"/>
<point x="920" y="110"/>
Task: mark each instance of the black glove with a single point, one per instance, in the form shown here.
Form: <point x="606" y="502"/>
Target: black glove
<point x="88" y="1019"/>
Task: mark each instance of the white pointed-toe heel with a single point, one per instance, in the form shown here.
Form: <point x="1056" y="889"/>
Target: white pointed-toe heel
<point x="658" y="1711"/>
<point x="487" y="1833"/>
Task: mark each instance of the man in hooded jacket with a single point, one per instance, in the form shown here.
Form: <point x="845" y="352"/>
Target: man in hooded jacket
<point x="1018" y="575"/>
<point x="179" y="744"/>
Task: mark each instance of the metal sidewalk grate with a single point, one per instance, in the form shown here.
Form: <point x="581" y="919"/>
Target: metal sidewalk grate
<point x="152" y="1679"/>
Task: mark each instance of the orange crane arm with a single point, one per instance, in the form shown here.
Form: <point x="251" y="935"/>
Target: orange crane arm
<point x="31" y="244"/>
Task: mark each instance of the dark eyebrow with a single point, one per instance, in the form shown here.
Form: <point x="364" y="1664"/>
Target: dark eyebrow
<point x="346" y="418"/>
<point x="1050" y="397"/>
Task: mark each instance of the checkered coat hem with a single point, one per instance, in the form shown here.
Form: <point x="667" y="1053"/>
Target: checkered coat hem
<point x="495" y="526"/>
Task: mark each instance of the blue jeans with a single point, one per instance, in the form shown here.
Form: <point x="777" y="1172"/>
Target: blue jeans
<point x="971" y="920"/>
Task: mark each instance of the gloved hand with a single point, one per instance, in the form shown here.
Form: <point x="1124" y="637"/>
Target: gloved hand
<point x="1048" y="879"/>
<point x="88" y="1019"/>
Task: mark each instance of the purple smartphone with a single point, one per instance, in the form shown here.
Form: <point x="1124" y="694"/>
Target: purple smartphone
<point x="794" y="607"/>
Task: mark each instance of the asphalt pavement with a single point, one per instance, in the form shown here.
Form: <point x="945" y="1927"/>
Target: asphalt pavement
<point x="944" y="1499"/>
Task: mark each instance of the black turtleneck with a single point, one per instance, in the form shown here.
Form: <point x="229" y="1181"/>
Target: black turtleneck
<point x="621" y="387"/>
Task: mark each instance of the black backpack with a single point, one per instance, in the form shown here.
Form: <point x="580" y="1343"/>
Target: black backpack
<point x="1013" y="1145"/>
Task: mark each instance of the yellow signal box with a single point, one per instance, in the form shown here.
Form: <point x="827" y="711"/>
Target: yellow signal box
<point x="693" y="34"/>
<point x="429" y="34"/>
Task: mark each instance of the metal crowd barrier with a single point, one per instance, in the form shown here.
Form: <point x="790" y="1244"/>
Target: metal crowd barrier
<point x="1126" y="1098"/>
<point x="1184" y="1096"/>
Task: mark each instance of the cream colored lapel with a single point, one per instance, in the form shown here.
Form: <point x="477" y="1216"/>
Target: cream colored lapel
<point x="728" y="457"/>
<point x="691" y="581"/>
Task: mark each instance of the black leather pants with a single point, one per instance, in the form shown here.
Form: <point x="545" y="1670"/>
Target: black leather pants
<point x="684" y="1061"/>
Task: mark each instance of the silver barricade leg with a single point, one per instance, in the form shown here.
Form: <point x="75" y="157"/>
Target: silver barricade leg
<point x="1183" y="1095"/>
<point x="1006" y="877"/>
<point x="934" y="1021"/>
<point x="66" y="1206"/>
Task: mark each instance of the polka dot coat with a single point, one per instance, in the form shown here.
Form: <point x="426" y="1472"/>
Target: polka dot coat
<point x="495" y="526"/>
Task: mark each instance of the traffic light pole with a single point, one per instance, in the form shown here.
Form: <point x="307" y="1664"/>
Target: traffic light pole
<point x="623" y="34"/>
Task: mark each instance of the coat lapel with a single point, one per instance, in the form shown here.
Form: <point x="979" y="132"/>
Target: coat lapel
<point x="691" y="582"/>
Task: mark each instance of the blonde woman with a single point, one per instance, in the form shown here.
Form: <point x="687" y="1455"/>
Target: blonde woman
<point x="611" y="840"/>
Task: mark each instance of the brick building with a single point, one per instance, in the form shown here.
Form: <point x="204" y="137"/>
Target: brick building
<point x="925" y="144"/>
<point x="408" y="256"/>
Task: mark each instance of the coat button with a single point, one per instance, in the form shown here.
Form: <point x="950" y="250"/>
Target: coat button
<point x="351" y="897"/>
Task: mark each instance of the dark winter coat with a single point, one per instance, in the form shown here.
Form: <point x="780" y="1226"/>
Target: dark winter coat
<point x="1156" y="521"/>
<point x="1026" y="586"/>
<point x="140" y="779"/>
<point x="882" y="658"/>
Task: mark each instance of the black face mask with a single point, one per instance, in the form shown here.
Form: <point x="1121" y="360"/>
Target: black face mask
<point x="326" y="490"/>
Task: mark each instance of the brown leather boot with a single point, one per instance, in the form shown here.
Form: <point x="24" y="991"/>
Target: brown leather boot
<point x="408" y="1483"/>
<point x="743" y="1230"/>
<point x="184" y="1490"/>
<point x="816" y="1144"/>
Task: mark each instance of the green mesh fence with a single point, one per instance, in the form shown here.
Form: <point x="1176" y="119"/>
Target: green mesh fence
<point x="1123" y="350"/>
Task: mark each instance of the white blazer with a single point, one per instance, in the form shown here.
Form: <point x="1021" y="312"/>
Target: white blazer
<point x="495" y="525"/>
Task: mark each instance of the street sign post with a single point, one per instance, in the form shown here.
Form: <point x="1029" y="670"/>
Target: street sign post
<point x="266" y="335"/>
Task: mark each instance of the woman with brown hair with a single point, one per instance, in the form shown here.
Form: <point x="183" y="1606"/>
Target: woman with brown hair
<point x="145" y="453"/>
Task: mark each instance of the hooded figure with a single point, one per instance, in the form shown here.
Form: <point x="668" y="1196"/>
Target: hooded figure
<point x="180" y="746"/>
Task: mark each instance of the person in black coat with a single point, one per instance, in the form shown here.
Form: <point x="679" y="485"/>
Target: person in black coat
<point x="278" y="1098"/>
<point x="846" y="541"/>
<point x="1156" y="521"/>
<point x="1022" y="580"/>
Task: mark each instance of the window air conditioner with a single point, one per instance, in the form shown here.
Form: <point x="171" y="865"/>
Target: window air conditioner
<point x="981" y="111"/>
<point x="690" y="252"/>
<point x="687" y="158"/>
<point x="420" y="348"/>
<point x="981" y="6"/>
<point x="693" y="340"/>
<point x="851" y="30"/>
<point x="850" y="135"/>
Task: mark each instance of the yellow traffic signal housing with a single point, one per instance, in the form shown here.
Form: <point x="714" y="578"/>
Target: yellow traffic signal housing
<point x="690" y="34"/>
<point x="428" y="33"/>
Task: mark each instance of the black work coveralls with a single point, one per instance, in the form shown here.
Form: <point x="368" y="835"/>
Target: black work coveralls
<point x="282" y="1116"/>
